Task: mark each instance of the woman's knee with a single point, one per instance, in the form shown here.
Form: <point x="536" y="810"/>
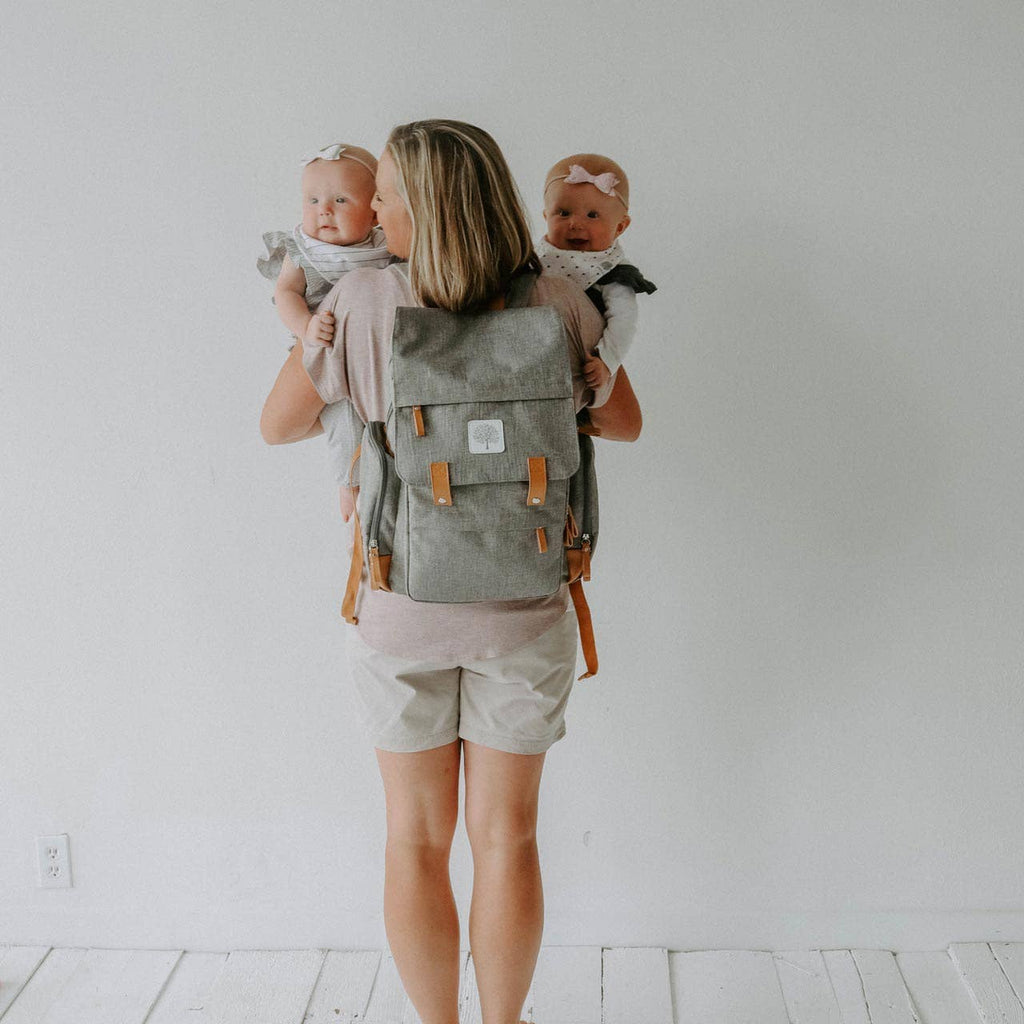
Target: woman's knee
<point x="505" y="830"/>
<point x="501" y="798"/>
<point x="422" y="797"/>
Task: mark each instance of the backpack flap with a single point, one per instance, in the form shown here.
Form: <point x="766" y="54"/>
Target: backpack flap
<point x="485" y="444"/>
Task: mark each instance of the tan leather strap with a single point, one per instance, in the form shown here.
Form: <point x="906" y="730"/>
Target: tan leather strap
<point x="542" y="539"/>
<point x="586" y="626"/>
<point x="574" y="558"/>
<point x="572" y="531"/>
<point x="441" y="483"/>
<point x="538" y="480"/>
<point x="380" y="568"/>
<point x="355" y="572"/>
<point x="417" y="421"/>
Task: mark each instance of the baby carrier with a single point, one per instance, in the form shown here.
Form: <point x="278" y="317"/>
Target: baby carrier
<point x="479" y="486"/>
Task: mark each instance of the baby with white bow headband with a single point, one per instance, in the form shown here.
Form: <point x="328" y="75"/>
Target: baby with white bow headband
<point x="338" y="233"/>
<point x="586" y="204"/>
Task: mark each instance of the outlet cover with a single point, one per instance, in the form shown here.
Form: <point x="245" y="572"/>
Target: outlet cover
<point x="54" y="862"/>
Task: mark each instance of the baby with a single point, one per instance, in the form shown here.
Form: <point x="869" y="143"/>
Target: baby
<point x="338" y="233"/>
<point x="586" y="203"/>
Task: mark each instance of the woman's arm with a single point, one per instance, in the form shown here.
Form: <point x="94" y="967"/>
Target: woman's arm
<point x="619" y="419"/>
<point x="292" y="409"/>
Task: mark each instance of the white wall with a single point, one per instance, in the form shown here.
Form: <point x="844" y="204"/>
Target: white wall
<point x="807" y="725"/>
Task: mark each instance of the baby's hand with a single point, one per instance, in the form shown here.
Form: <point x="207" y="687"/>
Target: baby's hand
<point x="320" y="330"/>
<point x="595" y="372"/>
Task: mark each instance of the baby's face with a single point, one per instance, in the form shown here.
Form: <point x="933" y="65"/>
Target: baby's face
<point x="336" y="198"/>
<point x="582" y="217"/>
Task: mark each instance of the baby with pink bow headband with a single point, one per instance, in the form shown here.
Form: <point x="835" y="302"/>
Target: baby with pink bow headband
<point x="338" y="233"/>
<point x="586" y="208"/>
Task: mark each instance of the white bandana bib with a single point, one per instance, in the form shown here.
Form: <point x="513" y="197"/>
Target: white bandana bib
<point x="331" y="261"/>
<point x="582" y="267"/>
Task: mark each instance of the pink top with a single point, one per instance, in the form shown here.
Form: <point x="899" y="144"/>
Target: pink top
<point x="356" y="367"/>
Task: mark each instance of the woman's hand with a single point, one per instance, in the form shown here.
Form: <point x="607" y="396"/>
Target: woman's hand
<point x="619" y="419"/>
<point x="292" y="409"/>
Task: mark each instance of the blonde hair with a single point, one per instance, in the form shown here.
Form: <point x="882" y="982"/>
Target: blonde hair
<point x="595" y="164"/>
<point x="470" y="232"/>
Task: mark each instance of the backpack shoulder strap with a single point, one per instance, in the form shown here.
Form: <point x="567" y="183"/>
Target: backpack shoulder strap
<point x="521" y="288"/>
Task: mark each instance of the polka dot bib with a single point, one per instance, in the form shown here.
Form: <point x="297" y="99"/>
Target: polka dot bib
<point x="582" y="267"/>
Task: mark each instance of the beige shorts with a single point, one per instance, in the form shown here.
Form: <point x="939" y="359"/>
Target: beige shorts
<point x="515" y="702"/>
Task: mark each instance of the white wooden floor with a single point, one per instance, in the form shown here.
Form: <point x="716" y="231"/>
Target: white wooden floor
<point x="968" y="983"/>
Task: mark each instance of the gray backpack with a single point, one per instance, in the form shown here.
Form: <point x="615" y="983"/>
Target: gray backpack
<point x="480" y="486"/>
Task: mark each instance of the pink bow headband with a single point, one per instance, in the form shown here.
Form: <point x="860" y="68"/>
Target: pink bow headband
<point x="605" y="182"/>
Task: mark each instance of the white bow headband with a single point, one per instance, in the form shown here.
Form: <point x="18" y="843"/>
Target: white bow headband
<point x="337" y="151"/>
<point x="605" y="182"/>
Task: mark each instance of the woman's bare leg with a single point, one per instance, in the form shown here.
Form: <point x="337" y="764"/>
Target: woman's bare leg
<point x="422" y="924"/>
<point x="506" y="917"/>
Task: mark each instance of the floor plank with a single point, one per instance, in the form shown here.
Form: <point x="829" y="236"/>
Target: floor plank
<point x="992" y="994"/>
<point x="636" y="986"/>
<point x="94" y="986"/>
<point x="17" y="965"/>
<point x="388" y="1002"/>
<point x="726" y="987"/>
<point x="43" y="989"/>
<point x="847" y="985"/>
<point x="1010" y="957"/>
<point x="807" y="988"/>
<point x="936" y="988"/>
<point x="261" y="986"/>
<point x="566" y="986"/>
<point x="887" y="997"/>
<point x="342" y="991"/>
<point x="183" y="998"/>
<point x="469" y="994"/>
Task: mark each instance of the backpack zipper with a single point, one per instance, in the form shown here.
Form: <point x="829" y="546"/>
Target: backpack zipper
<point x="378" y="506"/>
<point x="585" y="539"/>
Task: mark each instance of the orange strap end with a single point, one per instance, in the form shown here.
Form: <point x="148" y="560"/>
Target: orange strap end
<point x="417" y="421"/>
<point x="538" y="481"/>
<point x="441" y="484"/>
<point x="355" y="572"/>
<point x="542" y="539"/>
<point x="586" y="627"/>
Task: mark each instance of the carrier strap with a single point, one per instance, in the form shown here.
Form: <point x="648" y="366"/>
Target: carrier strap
<point x="579" y="600"/>
<point x="355" y="572"/>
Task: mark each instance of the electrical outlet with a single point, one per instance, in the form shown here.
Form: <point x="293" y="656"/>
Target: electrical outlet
<point x="54" y="862"/>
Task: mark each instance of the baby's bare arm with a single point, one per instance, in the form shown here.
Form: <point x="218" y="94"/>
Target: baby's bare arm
<point x="290" y="298"/>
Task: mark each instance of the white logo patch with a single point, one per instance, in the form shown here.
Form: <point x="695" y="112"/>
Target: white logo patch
<point x="486" y="437"/>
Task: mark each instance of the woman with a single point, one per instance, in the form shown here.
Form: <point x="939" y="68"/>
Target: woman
<point x="490" y="678"/>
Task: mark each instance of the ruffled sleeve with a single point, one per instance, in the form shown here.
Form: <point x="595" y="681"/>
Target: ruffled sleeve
<point x="279" y="244"/>
<point x="626" y="273"/>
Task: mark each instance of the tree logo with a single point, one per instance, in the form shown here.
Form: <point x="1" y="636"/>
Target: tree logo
<point x="486" y="437"/>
